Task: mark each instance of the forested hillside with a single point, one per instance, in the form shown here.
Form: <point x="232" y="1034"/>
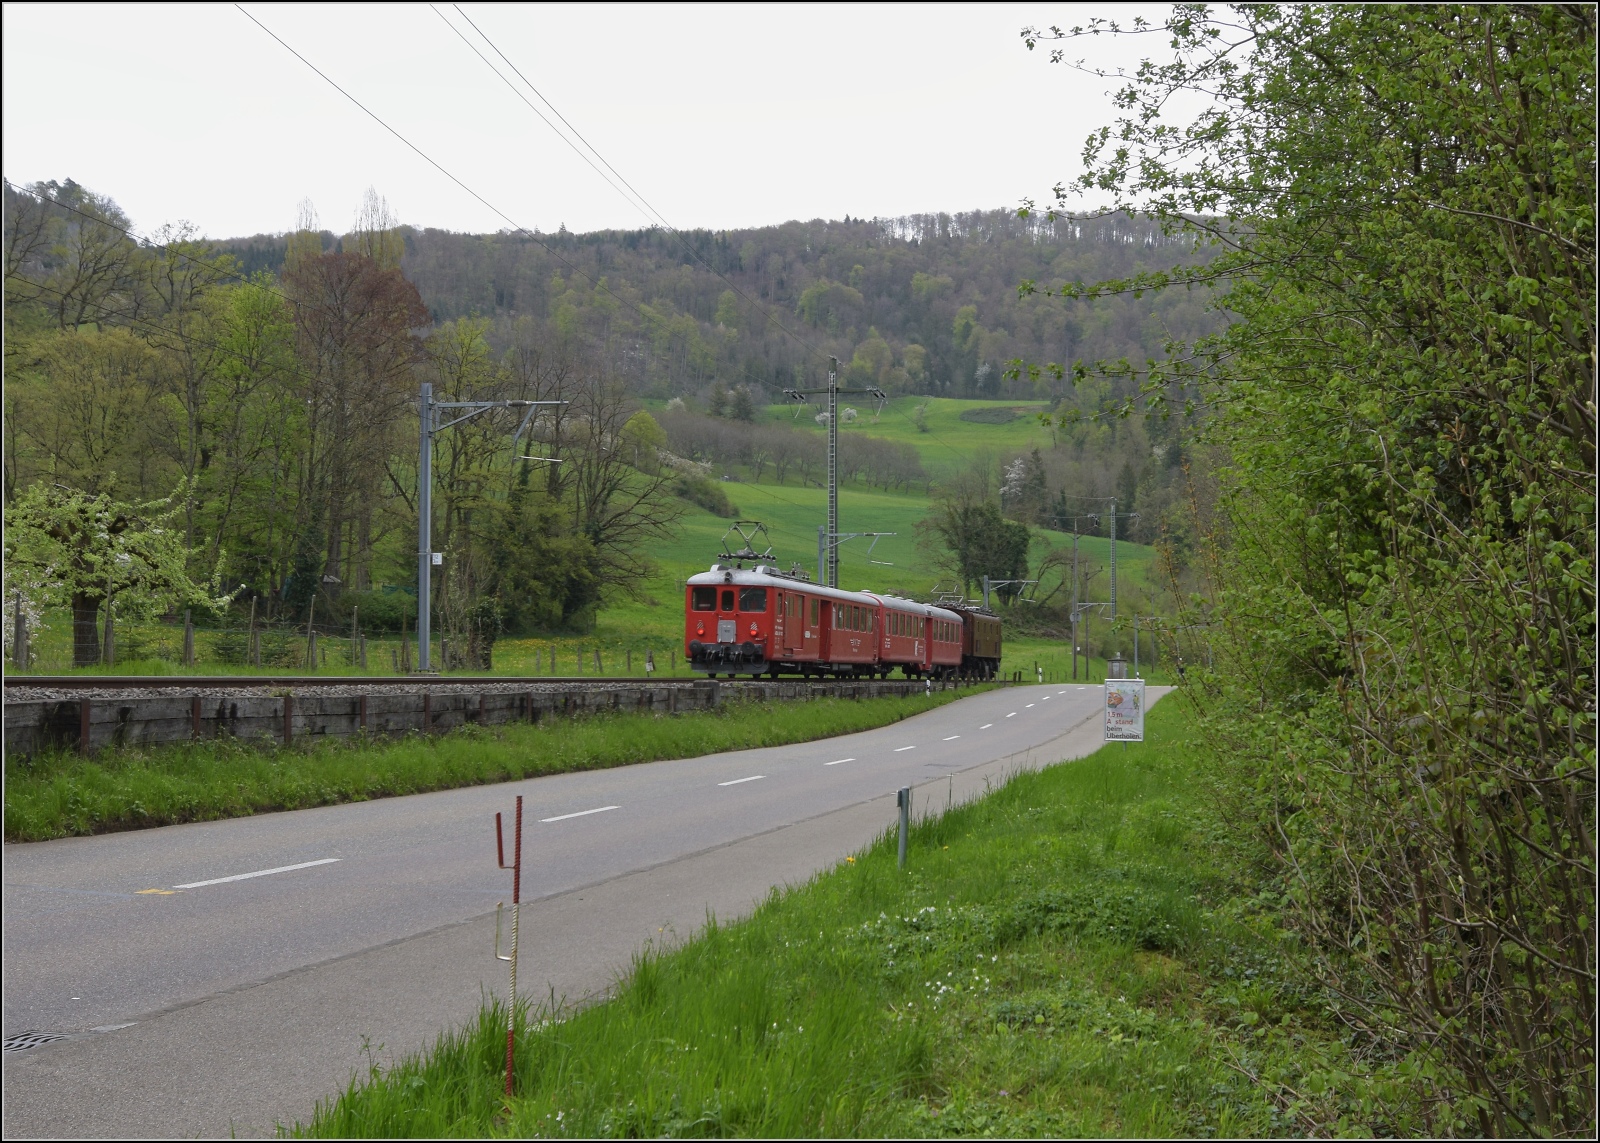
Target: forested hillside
<point x="924" y="304"/>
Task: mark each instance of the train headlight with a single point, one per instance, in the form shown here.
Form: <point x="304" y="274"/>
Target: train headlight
<point x="700" y="628"/>
<point x="753" y="630"/>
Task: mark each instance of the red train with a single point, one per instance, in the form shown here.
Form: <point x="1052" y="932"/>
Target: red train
<point x="764" y="622"/>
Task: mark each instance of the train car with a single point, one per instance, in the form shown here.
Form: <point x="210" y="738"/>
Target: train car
<point x="980" y="643"/>
<point x="918" y="638"/>
<point x="764" y="622"/>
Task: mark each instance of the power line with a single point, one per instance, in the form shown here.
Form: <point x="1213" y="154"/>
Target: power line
<point x="515" y="226"/>
<point x="507" y="218"/>
<point x="642" y="204"/>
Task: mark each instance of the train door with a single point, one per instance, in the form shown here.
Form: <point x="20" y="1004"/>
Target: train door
<point x="793" y="614"/>
<point x="825" y="632"/>
<point x="727" y="625"/>
<point x="925" y="644"/>
<point x="813" y="628"/>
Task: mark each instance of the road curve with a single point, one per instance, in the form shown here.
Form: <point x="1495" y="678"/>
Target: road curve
<point x="222" y="976"/>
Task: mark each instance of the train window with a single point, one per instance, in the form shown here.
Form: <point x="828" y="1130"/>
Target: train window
<point x="753" y="599"/>
<point x="727" y="601"/>
<point x="816" y="612"/>
<point x="703" y="599"/>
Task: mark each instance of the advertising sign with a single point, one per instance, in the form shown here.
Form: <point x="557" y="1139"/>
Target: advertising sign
<point x="1124" y="710"/>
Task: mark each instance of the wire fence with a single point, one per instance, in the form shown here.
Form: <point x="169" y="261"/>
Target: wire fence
<point x="171" y="645"/>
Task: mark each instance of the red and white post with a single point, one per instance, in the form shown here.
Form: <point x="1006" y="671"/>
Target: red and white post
<point x="516" y="908"/>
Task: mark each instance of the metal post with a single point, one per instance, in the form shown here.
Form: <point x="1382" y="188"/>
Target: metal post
<point x="19" y="637"/>
<point x="188" y="639"/>
<point x="986" y="592"/>
<point x="833" y="472"/>
<point x="425" y="531"/>
<point x="516" y="909"/>
<point x="904" y="800"/>
<point x="822" y="567"/>
<point x="1136" y="645"/>
<point x="1113" y="559"/>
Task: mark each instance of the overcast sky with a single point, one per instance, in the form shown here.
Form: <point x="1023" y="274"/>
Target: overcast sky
<point x="720" y="116"/>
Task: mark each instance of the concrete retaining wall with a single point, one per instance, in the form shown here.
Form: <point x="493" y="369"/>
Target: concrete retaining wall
<point x="88" y="724"/>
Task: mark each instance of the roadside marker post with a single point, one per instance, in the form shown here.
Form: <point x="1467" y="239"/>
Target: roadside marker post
<point x="516" y="908"/>
<point x="903" y="798"/>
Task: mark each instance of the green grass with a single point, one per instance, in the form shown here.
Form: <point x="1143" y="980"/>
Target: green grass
<point x="1078" y="954"/>
<point x="62" y="794"/>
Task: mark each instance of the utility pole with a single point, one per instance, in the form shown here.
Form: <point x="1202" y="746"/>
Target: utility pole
<point x="1113" y="558"/>
<point x="829" y="539"/>
<point x="1074" y="602"/>
<point x="426" y="557"/>
<point x="833" y="471"/>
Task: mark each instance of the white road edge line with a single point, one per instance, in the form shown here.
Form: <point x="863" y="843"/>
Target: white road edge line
<point x="898" y="749"/>
<point x="257" y="873"/>
<point x="736" y="781"/>
<point x="835" y="763"/>
<point x="579" y="814"/>
<point x="952" y="738"/>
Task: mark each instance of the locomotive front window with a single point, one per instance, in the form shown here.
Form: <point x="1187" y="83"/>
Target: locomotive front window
<point x="753" y="599"/>
<point x="727" y="601"/>
<point x="703" y="599"/>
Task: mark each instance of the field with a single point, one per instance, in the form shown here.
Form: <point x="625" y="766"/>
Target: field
<point x="1080" y="953"/>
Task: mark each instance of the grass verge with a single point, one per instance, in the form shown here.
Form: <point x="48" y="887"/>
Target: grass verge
<point x="63" y="794"/>
<point x="1079" y="953"/>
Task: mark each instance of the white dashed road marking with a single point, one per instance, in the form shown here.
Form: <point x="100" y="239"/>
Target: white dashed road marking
<point x="579" y="814"/>
<point x="257" y="873"/>
<point x="952" y="738"/>
<point x="898" y="749"/>
<point x="837" y="761"/>
<point x="736" y="781"/>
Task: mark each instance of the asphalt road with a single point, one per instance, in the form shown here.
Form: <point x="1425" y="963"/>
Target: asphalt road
<point x="222" y="976"/>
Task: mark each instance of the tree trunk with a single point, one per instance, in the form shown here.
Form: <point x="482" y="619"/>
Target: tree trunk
<point x="85" y="630"/>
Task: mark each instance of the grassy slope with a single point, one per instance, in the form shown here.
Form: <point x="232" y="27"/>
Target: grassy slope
<point x="60" y="795"/>
<point x="1076" y="954"/>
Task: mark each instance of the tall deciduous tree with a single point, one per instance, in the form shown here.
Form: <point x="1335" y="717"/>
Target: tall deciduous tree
<point x="1404" y="590"/>
<point x="357" y="348"/>
<point x="90" y="548"/>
